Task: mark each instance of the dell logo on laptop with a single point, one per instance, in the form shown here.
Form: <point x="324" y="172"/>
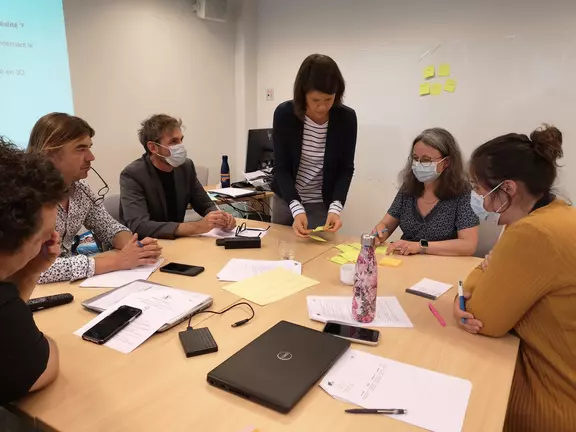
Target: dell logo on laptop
<point x="284" y="355"/>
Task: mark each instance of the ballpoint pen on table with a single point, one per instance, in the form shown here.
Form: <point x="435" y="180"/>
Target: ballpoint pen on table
<point x="461" y="298"/>
<point x="389" y="411"/>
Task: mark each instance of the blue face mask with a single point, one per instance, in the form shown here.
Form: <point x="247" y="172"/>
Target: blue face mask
<point x="426" y="174"/>
<point x="477" y="204"/>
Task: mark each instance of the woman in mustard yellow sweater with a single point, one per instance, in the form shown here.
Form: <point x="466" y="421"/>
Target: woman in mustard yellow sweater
<point x="529" y="284"/>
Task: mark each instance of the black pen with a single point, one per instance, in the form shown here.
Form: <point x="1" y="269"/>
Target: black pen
<point x="393" y="411"/>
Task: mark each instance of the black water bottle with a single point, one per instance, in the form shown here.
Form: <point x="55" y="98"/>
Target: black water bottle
<point x="225" y="172"/>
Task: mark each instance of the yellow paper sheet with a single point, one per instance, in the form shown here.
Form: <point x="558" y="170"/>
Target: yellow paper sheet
<point x="318" y="229"/>
<point x="339" y="259"/>
<point x="450" y="86"/>
<point x="436" y="89"/>
<point x="424" y="89"/>
<point x="318" y="239"/>
<point x="429" y="72"/>
<point x="390" y="262"/>
<point x="444" y="70"/>
<point x="357" y="246"/>
<point x="350" y="256"/>
<point x="347" y="248"/>
<point x="271" y="286"/>
<point x="381" y="250"/>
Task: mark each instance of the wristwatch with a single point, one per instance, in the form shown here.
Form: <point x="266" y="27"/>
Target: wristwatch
<point x="423" y="246"/>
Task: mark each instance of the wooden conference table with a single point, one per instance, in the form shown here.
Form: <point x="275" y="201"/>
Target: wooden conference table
<point x="156" y="388"/>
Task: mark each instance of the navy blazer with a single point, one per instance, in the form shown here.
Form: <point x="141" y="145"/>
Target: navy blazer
<point x="338" y="156"/>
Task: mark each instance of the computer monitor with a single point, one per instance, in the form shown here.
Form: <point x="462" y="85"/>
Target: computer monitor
<point x="260" y="151"/>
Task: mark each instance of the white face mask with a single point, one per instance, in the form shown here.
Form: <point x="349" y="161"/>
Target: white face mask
<point x="477" y="204"/>
<point x="177" y="156"/>
<point x="426" y="174"/>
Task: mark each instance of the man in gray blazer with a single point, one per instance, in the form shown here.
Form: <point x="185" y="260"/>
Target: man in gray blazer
<point x="156" y="189"/>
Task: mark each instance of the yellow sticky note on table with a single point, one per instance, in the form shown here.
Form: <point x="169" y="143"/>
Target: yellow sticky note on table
<point x="351" y="256"/>
<point x="444" y="70"/>
<point x="381" y="249"/>
<point x="436" y="89"/>
<point x="390" y="262"/>
<point x="271" y="286"/>
<point x="424" y="89"/>
<point x="346" y="248"/>
<point x="357" y="246"/>
<point x="318" y="229"/>
<point x="339" y="259"/>
<point x="429" y="72"/>
<point x="450" y="86"/>
<point x="319" y="239"/>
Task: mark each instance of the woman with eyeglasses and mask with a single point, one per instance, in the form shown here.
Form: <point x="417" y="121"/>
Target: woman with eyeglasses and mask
<point x="67" y="141"/>
<point x="528" y="287"/>
<point x="314" y="145"/>
<point x="433" y="205"/>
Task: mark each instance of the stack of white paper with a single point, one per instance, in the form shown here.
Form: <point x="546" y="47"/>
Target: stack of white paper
<point x="434" y="401"/>
<point x="389" y="312"/>
<point x="121" y="277"/>
<point x="240" y="269"/>
<point x="233" y="192"/>
<point x="429" y="288"/>
<point x="157" y="308"/>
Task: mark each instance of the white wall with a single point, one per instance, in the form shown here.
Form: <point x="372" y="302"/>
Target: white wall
<point x="513" y="61"/>
<point x="130" y="59"/>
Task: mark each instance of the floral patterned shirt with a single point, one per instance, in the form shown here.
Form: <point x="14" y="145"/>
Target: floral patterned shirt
<point x="84" y="209"/>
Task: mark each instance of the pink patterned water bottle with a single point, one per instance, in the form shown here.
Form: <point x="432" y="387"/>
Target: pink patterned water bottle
<point x="365" y="282"/>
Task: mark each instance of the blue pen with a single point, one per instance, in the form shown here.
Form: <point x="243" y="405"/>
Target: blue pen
<point x="140" y="244"/>
<point x="385" y="230"/>
<point x="462" y="299"/>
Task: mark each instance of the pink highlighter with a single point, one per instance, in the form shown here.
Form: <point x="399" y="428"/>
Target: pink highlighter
<point x="437" y="315"/>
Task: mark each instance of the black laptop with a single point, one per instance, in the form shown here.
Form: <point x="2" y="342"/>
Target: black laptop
<point x="280" y="366"/>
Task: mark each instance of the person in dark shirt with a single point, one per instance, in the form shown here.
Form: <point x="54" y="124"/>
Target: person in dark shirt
<point x="30" y="192"/>
<point x="156" y="189"/>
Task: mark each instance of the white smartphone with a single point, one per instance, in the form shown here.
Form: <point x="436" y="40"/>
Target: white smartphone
<point x="354" y="334"/>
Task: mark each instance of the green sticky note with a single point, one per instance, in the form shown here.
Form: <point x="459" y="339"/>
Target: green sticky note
<point x="429" y="72"/>
<point x="351" y="256"/>
<point x="357" y="246"/>
<point x="339" y="260"/>
<point x="450" y="86"/>
<point x="436" y="89"/>
<point x="444" y="70"/>
<point x="424" y="89"/>
<point x="346" y="248"/>
<point x="381" y="249"/>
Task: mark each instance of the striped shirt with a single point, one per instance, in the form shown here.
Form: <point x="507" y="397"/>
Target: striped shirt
<point x="309" y="178"/>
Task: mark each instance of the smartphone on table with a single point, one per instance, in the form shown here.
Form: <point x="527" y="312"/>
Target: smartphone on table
<point x="352" y="333"/>
<point x="182" y="269"/>
<point x="112" y="324"/>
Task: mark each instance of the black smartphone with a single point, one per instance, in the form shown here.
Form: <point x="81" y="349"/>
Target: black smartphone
<point x="112" y="324"/>
<point x="182" y="269"/>
<point x="352" y="333"/>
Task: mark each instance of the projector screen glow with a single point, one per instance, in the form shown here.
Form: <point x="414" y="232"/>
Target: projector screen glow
<point x="34" y="70"/>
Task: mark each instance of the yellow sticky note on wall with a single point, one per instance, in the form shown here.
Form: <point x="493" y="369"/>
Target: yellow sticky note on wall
<point x="436" y="89"/>
<point x="424" y="89"/>
<point x="444" y="70"/>
<point x="390" y="262"/>
<point x="429" y="72"/>
<point x="450" y="86"/>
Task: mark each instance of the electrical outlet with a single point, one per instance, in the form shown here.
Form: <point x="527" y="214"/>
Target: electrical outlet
<point x="269" y="95"/>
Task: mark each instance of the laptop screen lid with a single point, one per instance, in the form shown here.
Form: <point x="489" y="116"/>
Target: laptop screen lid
<point x="279" y="367"/>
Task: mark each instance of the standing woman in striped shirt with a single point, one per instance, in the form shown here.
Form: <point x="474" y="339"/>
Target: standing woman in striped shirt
<point x="314" y="146"/>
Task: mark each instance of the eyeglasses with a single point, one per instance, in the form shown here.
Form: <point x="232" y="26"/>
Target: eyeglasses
<point x="249" y="232"/>
<point x="426" y="162"/>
